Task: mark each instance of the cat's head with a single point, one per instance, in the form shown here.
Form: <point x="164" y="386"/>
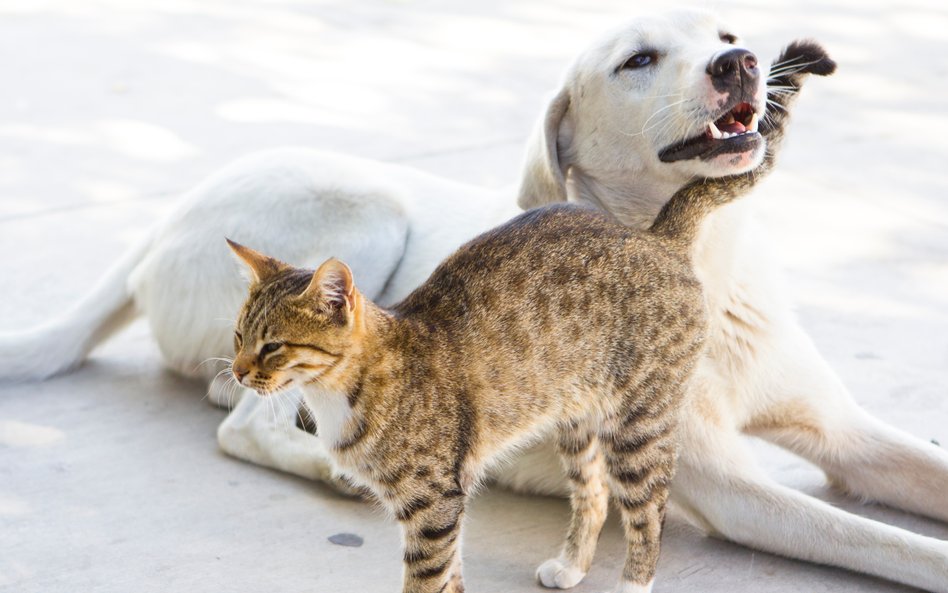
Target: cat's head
<point x="297" y="326"/>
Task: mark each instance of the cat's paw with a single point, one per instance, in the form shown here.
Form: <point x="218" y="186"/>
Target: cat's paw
<point x="555" y="574"/>
<point x="627" y="587"/>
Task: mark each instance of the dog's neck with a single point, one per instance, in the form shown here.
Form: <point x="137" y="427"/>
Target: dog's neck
<point x="635" y="201"/>
<point x="632" y="199"/>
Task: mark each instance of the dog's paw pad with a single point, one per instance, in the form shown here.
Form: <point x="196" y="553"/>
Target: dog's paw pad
<point x="554" y="574"/>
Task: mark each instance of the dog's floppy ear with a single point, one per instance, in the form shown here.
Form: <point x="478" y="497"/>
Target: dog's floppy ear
<point x="544" y="178"/>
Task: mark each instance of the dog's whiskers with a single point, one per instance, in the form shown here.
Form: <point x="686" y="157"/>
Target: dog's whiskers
<point x="788" y="63"/>
<point x="790" y="71"/>
<point x="664" y="120"/>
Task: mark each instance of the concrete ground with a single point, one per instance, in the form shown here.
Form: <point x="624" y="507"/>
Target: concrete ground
<point x="110" y="478"/>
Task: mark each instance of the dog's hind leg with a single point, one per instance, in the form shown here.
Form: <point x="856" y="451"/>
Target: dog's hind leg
<point x="810" y="412"/>
<point x="720" y="487"/>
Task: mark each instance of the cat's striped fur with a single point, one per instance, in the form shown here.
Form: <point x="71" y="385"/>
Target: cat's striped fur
<point x="560" y="320"/>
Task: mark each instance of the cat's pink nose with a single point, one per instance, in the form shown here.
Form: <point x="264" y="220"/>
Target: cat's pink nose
<point x="240" y="372"/>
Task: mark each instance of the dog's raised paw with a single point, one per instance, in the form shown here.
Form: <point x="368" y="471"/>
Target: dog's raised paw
<point x="804" y="56"/>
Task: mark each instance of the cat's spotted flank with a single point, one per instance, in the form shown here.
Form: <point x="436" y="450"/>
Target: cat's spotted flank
<point x="560" y="320"/>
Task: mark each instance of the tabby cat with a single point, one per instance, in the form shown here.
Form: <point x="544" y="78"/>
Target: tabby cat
<point x="560" y="320"/>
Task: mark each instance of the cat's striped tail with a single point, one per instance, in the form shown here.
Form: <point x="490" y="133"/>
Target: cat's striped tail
<point x="681" y="217"/>
<point x="62" y="343"/>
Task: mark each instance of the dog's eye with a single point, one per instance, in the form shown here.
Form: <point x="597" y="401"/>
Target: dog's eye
<point x="728" y="38"/>
<point x="270" y="347"/>
<point x="640" y="60"/>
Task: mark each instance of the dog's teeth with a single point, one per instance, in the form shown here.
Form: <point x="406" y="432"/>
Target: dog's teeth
<point x="752" y="126"/>
<point x="726" y="135"/>
<point x="715" y="132"/>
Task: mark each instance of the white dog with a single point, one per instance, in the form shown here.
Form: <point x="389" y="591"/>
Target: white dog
<point x="628" y="128"/>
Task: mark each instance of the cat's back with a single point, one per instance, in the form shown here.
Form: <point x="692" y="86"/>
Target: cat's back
<point x="551" y="260"/>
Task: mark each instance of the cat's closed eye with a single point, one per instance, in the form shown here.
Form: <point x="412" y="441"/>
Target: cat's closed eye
<point x="270" y="347"/>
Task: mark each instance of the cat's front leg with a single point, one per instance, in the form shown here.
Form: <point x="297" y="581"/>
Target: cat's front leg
<point x="589" y="499"/>
<point x="432" y="528"/>
<point x="640" y="459"/>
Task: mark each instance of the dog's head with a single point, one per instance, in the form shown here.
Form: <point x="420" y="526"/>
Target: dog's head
<point x="658" y="102"/>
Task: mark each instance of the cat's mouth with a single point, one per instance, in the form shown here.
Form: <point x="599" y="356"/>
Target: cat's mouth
<point x="264" y="388"/>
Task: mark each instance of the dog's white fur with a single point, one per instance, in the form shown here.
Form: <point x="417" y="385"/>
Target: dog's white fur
<point x="597" y="142"/>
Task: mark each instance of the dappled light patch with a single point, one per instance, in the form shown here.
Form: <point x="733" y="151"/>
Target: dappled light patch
<point x="24" y="434"/>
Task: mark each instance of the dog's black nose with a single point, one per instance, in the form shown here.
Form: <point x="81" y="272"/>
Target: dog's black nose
<point x="734" y="68"/>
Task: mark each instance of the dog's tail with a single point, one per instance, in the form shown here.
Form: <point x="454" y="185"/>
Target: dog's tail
<point x="680" y="219"/>
<point x="64" y="342"/>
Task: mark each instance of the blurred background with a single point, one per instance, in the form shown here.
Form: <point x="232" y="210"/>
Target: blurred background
<point x="110" y="479"/>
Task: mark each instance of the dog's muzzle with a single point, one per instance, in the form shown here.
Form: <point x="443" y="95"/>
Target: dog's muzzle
<point x="734" y="74"/>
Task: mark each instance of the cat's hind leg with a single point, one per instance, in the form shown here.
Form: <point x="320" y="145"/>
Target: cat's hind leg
<point x="583" y="461"/>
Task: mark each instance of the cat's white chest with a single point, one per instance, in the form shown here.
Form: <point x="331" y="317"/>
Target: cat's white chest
<point x="331" y="411"/>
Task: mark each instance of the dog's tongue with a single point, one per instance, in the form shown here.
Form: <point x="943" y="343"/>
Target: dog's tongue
<point x="730" y="125"/>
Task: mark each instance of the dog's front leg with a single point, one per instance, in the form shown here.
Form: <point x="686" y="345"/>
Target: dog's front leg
<point x="719" y="485"/>
<point x="267" y="435"/>
<point x="809" y="411"/>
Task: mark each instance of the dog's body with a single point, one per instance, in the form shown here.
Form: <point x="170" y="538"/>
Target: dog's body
<point x="605" y="140"/>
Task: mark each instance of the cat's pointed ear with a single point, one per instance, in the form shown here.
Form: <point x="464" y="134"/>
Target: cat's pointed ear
<point x="259" y="265"/>
<point x="332" y="287"/>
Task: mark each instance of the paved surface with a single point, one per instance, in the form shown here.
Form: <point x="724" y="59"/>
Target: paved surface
<point x="110" y="479"/>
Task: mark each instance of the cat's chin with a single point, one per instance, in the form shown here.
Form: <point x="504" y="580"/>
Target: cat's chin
<point x="278" y="390"/>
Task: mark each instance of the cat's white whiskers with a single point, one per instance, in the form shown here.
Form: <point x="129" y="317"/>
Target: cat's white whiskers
<point x="281" y="404"/>
<point x="224" y="359"/>
<point x="300" y="410"/>
<point x="271" y="415"/>
<point x="233" y="387"/>
<point x="211" y="385"/>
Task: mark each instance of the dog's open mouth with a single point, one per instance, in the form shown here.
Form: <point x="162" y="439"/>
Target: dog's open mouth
<point x="735" y="131"/>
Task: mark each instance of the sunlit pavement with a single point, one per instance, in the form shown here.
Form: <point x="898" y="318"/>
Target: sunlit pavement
<point x="110" y="478"/>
